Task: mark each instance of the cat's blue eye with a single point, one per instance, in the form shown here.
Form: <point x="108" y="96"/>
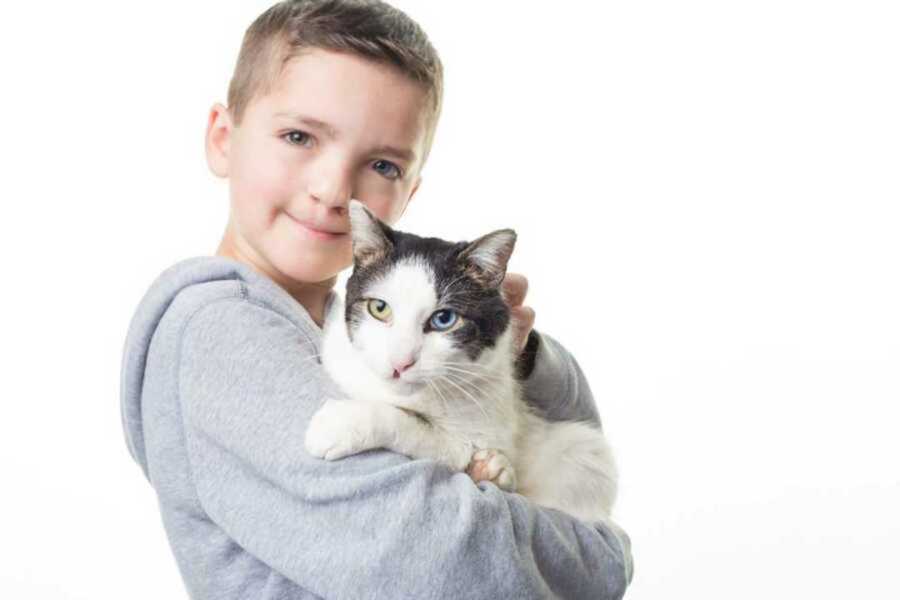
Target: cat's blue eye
<point x="387" y="168"/>
<point x="444" y="319"/>
<point x="298" y="138"/>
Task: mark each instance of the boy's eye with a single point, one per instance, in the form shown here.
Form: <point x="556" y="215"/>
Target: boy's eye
<point x="298" y="138"/>
<point x="387" y="168"/>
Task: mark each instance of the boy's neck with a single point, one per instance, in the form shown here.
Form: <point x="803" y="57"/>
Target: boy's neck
<point x="311" y="295"/>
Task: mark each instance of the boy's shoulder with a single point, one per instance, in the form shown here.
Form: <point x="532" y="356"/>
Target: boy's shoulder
<point x="196" y="282"/>
<point x="211" y="285"/>
<point x="187" y="288"/>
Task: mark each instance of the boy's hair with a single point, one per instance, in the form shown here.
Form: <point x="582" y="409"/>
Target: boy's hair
<point x="369" y="28"/>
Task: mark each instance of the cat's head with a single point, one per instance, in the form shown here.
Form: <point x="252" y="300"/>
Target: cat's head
<point x="421" y="309"/>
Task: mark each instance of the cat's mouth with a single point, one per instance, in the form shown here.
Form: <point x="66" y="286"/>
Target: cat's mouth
<point x="407" y="385"/>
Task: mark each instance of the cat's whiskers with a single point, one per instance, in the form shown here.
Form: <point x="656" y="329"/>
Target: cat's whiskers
<point x="462" y="374"/>
<point x="484" y="376"/>
<point x="435" y="376"/>
<point x="474" y="365"/>
<point x="466" y="381"/>
<point x="463" y="440"/>
<point x="447" y="378"/>
<point x="434" y="386"/>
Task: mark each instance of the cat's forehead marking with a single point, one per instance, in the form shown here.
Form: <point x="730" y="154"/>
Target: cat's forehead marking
<point x="410" y="280"/>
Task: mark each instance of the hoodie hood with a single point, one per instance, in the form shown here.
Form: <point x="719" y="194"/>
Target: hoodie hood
<point x="149" y="313"/>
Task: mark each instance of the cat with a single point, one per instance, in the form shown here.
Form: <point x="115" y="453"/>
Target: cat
<point x="422" y="346"/>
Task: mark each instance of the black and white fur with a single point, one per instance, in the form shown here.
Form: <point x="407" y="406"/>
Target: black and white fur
<point x="460" y="400"/>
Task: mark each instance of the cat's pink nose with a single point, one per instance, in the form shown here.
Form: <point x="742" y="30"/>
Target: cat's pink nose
<point x="400" y="368"/>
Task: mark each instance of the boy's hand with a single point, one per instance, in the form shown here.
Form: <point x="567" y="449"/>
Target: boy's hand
<point x="513" y="289"/>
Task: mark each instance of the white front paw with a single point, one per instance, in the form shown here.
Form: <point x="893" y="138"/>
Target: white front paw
<point x="341" y="428"/>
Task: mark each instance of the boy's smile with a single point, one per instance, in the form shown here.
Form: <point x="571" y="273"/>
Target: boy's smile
<point x="334" y="126"/>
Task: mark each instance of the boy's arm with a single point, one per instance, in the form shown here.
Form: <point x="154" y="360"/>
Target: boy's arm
<point x="553" y="381"/>
<point x="375" y="524"/>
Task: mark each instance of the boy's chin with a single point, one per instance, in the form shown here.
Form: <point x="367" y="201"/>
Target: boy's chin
<point x="310" y="265"/>
<point x="309" y="271"/>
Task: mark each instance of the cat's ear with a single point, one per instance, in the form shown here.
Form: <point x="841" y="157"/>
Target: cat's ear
<point x="486" y="258"/>
<point x="370" y="241"/>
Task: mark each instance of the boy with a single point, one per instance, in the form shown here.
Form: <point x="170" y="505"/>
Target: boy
<point x="331" y="99"/>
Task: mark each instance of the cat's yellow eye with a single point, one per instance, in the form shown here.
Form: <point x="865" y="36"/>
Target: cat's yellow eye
<point x="379" y="309"/>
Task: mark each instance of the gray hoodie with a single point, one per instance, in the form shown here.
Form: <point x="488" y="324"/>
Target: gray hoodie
<point x="219" y="379"/>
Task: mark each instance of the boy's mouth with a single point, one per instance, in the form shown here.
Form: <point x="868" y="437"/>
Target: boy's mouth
<point x="311" y="230"/>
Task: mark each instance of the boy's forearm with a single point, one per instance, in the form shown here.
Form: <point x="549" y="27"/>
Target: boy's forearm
<point x="555" y="382"/>
<point x="348" y="527"/>
<point x="343" y="427"/>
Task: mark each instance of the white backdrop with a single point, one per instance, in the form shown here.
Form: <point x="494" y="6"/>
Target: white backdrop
<point x="706" y="196"/>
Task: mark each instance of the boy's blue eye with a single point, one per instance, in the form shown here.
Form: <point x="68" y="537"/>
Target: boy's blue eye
<point x="444" y="319"/>
<point x="298" y="137"/>
<point x="387" y="168"/>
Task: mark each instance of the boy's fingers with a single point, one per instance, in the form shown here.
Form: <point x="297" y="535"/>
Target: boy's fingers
<point x="515" y="287"/>
<point x="523" y="321"/>
<point x="523" y="316"/>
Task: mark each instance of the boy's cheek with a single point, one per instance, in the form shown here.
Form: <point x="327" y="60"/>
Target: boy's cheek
<point x="259" y="202"/>
<point x="387" y="209"/>
<point x="346" y="253"/>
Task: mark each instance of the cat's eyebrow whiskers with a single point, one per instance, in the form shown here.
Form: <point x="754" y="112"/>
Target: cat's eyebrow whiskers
<point x="446" y="292"/>
<point x="452" y="283"/>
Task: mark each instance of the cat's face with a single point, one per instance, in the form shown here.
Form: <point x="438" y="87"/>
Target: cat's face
<point x="424" y="310"/>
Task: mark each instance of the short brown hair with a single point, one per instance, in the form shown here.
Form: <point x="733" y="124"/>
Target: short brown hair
<point x="369" y="28"/>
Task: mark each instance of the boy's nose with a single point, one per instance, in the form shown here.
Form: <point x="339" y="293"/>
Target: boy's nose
<point x="334" y="203"/>
<point x="331" y="191"/>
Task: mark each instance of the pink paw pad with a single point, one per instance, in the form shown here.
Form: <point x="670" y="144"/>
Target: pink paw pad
<point x="492" y="465"/>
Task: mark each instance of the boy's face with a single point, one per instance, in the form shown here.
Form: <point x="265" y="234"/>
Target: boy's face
<point x="334" y="127"/>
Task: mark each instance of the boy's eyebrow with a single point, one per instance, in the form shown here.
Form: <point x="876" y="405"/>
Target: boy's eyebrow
<point x="310" y="122"/>
<point x="401" y="153"/>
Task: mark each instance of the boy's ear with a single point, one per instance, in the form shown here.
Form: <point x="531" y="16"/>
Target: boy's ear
<point x="218" y="139"/>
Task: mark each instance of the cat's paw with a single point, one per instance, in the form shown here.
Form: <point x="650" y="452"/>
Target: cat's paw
<point x="340" y="428"/>
<point x="492" y="465"/>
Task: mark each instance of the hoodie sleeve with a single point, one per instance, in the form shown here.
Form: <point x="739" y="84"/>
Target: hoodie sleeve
<point x="553" y="381"/>
<point x="375" y="524"/>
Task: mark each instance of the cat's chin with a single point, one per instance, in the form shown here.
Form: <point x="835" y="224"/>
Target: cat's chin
<point x="414" y="400"/>
<point x="407" y="388"/>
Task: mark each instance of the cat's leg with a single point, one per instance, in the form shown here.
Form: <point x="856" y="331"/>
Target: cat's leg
<point x="343" y="427"/>
<point x="411" y="434"/>
<point x="569" y="466"/>
<point x="493" y="465"/>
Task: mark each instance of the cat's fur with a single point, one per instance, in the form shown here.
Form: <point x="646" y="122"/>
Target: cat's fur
<point x="460" y="402"/>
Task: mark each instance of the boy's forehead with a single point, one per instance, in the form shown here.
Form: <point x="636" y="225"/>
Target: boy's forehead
<point x="347" y="94"/>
